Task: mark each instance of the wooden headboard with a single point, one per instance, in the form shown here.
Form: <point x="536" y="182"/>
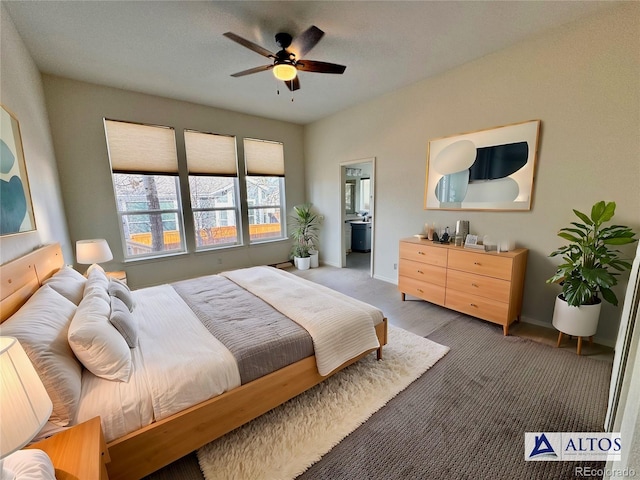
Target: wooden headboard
<point x="20" y="278"/>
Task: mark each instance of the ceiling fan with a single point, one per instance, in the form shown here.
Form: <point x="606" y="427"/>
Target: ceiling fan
<point x="289" y="59"/>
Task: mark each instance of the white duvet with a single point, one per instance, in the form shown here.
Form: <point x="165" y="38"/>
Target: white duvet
<point x="177" y="364"/>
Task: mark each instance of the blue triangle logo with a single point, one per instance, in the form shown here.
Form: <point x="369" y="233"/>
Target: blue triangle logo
<point x="542" y="447"/>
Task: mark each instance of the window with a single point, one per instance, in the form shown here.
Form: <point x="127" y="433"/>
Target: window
<point x="350" y="196"/>
<point x="264" y="163"/>
<point x="145" y="180"/>
<point x="213" y="182"/>
<point x="365" y="194"/>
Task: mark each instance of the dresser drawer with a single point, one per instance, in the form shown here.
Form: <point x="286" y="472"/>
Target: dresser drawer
<point x="477" y="306"/>
<point x="424" y="272"/>
<point x="426" y="291"/>
<point x="424" y="254"/>
<point x="488" y="287"/>
<point x="481" y="263"/>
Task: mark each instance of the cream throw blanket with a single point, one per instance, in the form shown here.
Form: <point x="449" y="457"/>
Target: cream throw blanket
<point x="341" y="327"/>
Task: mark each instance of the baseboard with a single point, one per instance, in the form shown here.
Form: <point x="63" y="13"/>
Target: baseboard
<point x="393" y="281"/>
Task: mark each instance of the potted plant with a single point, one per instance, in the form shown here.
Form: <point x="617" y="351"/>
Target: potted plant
<point x="305" y="227"/>
<point x="301" y="256"/>
<point x="589" y="270"/>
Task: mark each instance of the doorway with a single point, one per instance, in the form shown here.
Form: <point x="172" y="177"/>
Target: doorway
<point x="357" y="205"/>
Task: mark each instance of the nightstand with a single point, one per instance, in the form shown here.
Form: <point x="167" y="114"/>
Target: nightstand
<point x="79" y="452"/>
<point x="119" y="275"/>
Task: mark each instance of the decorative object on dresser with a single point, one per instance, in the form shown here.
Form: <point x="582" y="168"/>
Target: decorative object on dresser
<point x="590" y="267"/>
<point x="487" y="285"/>
<point x="93" y="251"/>
<point x="490" y="169"/>
<point x="24" y="405"/>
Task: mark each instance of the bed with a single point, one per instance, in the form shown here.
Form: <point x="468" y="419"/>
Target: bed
<point x="141" y="444"/>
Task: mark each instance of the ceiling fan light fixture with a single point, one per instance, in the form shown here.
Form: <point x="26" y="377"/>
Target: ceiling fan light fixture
<point x="284" y="72"/>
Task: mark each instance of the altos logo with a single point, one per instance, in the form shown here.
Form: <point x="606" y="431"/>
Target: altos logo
<point x="571" y="446"/>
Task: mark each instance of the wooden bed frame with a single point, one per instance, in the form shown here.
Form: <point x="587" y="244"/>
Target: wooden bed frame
<point x="154" y="446"/>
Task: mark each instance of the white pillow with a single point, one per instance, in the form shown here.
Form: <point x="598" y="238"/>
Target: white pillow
<point x="97" y="277"/>
<point x="41" y="327"/>
<point x="69" y="283"/>
<point x="97" y="343"/>
<point x="31" y="464"/>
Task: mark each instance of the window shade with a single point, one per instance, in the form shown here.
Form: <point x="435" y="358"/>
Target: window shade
<point x="141" y="148"/>
<point x="264" y="158"/>
<point x="210" y="154"/>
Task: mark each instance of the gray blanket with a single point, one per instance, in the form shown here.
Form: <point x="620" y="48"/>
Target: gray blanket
<point x="261" y="339"/>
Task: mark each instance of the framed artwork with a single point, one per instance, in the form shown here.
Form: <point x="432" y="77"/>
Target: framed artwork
<point x="484" y="170"/>
<point x="16" y="210"/>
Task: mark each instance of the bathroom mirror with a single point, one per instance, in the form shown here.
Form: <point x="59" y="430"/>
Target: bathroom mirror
<point x="484" y="170"/>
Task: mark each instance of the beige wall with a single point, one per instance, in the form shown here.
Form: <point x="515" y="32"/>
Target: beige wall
<point x="22" y="94"/>
<point x="76" y="111"/>
<point x="581" y="80"/>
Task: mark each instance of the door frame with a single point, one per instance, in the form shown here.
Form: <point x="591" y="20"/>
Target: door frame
<point x="343" y="214"/>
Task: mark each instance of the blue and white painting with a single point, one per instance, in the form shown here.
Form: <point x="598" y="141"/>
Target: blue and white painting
<point x="16" y="212"/>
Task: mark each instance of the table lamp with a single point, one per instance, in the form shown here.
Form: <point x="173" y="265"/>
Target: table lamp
<point x="93" y="251"/>
<point x="24" y="404"/>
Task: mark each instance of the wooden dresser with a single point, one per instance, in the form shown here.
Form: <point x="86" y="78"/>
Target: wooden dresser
<point x="486" y="285"/>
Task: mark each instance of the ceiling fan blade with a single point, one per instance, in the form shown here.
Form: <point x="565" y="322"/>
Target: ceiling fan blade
<point x="252" y="70"/>
<point x="293" y="85"/>
<point x="319" y="67"/>
<point x="304" y="42"/>
<point x="250" y="45"/>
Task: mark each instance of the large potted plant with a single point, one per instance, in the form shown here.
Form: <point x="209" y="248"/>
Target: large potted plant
<point x="589" y="270"/>
<point x="305" y="228"/>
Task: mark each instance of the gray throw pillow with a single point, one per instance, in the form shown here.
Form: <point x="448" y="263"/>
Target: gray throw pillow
<point x="120" y="290"/>
<point x="123" y="320"/>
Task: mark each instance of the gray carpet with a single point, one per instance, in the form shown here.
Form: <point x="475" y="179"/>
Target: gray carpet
<point x="466" y="417"/>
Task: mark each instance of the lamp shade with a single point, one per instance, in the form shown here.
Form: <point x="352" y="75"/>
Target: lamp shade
<point x="284" y="71"/>
<point x="24" y="404"/>
<point x="93" y="251"/>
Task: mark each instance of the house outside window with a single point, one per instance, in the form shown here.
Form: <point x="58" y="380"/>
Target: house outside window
<point x="213" y="183"/>
<point x="264" y="163"/>
<point x="145" y="179"/>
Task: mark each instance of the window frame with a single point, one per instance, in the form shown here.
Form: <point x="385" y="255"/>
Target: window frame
<point x="256" y="167"/>
<point x="223" y="167"/>
<point x="179" y="211"/>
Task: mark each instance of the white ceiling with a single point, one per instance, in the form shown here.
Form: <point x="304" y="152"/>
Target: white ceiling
<point x="176" y="48"/>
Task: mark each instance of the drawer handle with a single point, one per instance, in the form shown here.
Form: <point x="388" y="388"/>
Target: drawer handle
<point x="420" y="252"/>
<point x="474" y="285"/>
<point x="477" y="263"/>
<point x="420" y="271"/>
<point x="420" y="290"/>
<point x="473" y="305"/>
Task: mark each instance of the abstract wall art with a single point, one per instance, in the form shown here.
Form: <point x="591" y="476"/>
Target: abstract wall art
<point x="483" y="170"/>
<point x="16" y="210"/>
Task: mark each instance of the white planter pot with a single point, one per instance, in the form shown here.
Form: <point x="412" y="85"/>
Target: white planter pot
<point x="314" y="258"/>
<point x="303" y="263"/>
<point x="579" y="321"/>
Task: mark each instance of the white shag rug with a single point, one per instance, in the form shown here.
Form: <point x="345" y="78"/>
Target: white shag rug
<point x="283" y="443"/>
